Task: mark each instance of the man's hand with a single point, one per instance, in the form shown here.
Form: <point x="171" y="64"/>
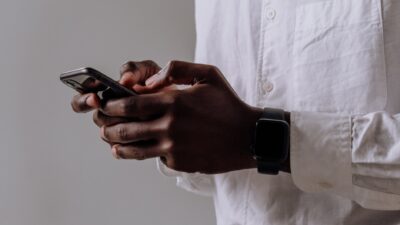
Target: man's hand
<point x="133" y="75"/>
<point x="204" y="128"/>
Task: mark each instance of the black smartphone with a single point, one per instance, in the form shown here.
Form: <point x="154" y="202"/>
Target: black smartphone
<point x="89" y="80"/>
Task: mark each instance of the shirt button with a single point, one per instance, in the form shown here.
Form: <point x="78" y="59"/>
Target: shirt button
<point x="268" y="86"/>
<point x="271" y="13"/>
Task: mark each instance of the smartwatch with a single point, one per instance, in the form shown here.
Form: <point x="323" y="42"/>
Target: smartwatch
<point x="271" y="141"/>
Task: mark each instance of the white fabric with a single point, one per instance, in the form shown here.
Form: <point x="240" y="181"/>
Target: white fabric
<point x="335" y="64"/>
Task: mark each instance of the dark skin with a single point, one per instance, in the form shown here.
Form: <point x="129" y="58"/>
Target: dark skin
<point x="204" y="128"/>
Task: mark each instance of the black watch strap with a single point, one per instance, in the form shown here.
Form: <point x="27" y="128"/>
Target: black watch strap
<point x="266" y="167"/>
<point x="275" y="114"/>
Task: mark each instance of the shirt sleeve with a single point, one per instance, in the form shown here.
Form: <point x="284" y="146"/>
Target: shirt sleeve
<point x="201" y="184"/>
<point x="354" y="156"/>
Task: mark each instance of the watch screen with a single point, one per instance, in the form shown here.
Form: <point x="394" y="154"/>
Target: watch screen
<point x="271" y="139"/>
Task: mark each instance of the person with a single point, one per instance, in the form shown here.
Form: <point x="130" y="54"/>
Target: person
<point x="326" y="70"/>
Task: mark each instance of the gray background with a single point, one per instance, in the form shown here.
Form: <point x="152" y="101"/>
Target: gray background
<point x="53" y="167"/>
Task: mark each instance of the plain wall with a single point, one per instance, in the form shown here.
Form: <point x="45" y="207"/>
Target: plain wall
<point x="54" y="169"/>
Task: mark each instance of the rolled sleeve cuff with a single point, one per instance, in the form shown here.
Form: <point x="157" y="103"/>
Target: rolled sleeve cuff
<point x="321" y="152"/>
<point x="197" y="183"/>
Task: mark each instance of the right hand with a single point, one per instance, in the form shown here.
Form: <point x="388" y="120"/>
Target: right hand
<point x="133" y="75"/>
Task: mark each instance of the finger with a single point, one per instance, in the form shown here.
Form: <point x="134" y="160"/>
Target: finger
<point x="100" y="119"/>
<point x="146" y="90"/>
<point x="111" y="144"/>
<point x="85" y="102"/>
<point x="140" y="106"/>
<point x="179" y="72"/>
<point x="142" y="89"/>
<point x="137" y="72"/>
<point x="131" y="132"/>
<point x="136" y="151"/>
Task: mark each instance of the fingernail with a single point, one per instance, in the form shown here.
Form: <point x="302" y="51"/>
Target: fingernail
<point x="125" y="79"/>
<point x="115" y="152"/>
<point x="90" y="101"/>
<point x="102" y="131"/>
<point x="161" y="74"/>
<point x="151" y="80"/>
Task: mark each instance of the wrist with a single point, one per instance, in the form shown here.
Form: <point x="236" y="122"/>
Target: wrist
<point x="271" y="141"/>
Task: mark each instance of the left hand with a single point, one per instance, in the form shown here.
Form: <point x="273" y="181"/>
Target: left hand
<point x="205" y="128"/>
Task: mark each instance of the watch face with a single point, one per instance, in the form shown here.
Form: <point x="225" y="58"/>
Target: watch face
<point x="271" y="140"/>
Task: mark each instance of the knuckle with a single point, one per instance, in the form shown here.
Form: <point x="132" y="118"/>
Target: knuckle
<point x="121" y="132"/>
<point x="168" y="147"/>
<point x="123" y="107"/>
<point x="150" y="67"/>
<point x="126" y="106"/>
<point x="170" y="99"/>
<point x="129" y="66"/>
<point x="170" y="126"/>
<point x="211" y="69"/>
<point x="149" y="63"/>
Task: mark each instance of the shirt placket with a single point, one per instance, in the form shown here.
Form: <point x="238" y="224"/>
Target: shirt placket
<point x="267" y="65"/>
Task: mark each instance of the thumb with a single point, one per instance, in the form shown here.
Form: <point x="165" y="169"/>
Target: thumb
<point x="179" y="72"/>
<point x="136" y="72"/>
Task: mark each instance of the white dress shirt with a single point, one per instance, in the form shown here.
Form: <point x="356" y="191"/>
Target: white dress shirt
<point x="335" y="65"/>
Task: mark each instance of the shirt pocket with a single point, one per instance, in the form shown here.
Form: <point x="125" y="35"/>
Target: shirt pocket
<point x="338" y="56"/>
